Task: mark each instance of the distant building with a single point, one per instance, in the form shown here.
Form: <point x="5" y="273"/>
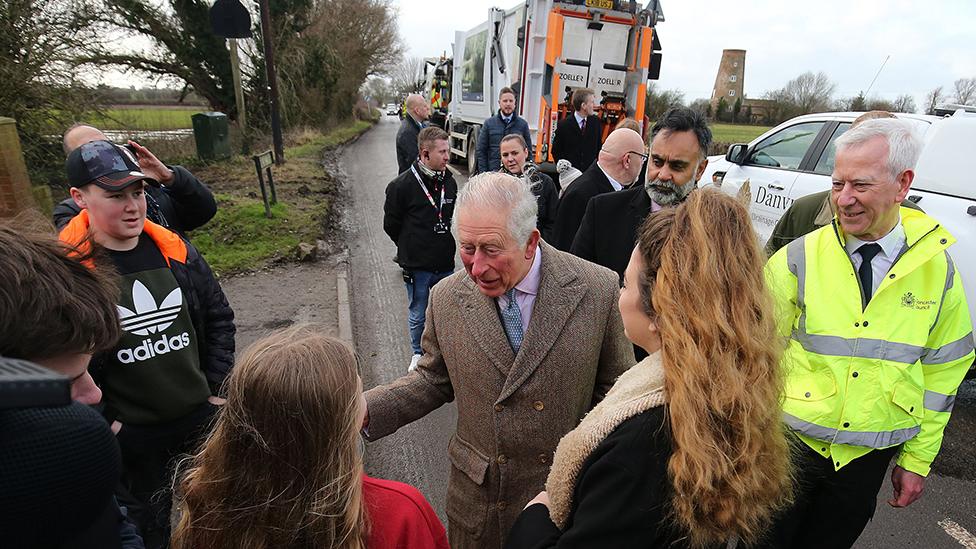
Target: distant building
<point x="730" y="80"/>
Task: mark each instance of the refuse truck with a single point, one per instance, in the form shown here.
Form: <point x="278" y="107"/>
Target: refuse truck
<point x="544" y="50"/>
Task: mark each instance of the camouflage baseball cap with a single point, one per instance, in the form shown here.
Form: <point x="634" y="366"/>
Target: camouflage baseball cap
<point x="105" y="164"/>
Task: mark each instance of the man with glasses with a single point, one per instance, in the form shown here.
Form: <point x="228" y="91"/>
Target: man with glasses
<point x="616" y="167"/>
<point x="679" y="143"/>
<point x="180" y="203"/>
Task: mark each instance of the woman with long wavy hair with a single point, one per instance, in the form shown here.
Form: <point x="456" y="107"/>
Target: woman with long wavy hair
<point x="687" y="449"/>
<point x="283" y="466"/>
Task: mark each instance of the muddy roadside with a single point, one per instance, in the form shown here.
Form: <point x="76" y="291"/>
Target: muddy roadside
<point x="287" y="289"/>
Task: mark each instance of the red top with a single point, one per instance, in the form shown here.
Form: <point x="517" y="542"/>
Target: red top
<point x="400" y="517"/>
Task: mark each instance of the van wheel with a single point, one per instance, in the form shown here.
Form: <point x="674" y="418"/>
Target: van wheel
<point x="472" y="155"/>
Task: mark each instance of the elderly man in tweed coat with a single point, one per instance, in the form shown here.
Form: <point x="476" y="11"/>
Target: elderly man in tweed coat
<point x="527" y="340"/>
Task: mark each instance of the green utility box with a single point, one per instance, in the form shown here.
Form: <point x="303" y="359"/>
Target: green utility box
<point x="211" y="135"/>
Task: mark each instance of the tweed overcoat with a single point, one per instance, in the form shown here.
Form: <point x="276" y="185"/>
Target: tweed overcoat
<point x="512" y="409"/>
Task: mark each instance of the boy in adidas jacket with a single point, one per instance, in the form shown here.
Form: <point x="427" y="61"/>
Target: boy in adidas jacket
<point x="161" y="382"/>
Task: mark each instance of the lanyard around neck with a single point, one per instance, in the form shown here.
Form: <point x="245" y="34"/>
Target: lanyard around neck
<point x="439" y="208"/>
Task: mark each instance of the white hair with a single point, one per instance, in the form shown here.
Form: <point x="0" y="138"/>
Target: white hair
<point x="495" y="191"/>
<point x="904" y="147"/>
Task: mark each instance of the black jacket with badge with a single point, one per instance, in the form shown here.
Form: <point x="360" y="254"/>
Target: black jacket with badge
<point x="184" y="205"/>
<point x="409" y="219"/>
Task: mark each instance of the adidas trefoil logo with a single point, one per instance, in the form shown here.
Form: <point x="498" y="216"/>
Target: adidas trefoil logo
<point x="148" y="318"/>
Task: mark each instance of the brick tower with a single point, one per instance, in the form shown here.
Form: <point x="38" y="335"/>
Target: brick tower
<point x="730" y="80"/>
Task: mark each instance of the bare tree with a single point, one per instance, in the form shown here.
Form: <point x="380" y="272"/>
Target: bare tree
<point x="933" y="99"/>
<point x="404" y="75"/>
<point x="965" y="89"/>
<point x="378" y="89"/>
<point x="366" y="41"/>
<point x="39" y="40"/>
<point x="808" y="92"/>
<point x="904" y="103"/>
<point x="701" y="105"/>
<point x="876" y="103"/>
<point x="659" y="101"/>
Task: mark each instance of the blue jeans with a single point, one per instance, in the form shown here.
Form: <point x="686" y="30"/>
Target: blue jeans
<point x="418" y="290"/>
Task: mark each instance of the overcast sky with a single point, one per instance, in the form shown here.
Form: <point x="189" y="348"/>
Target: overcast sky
<point x="931" y="43"/>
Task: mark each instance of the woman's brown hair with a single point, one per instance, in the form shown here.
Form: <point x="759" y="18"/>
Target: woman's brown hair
<point x="282" y="467"/>
<point x="702" y="281"/>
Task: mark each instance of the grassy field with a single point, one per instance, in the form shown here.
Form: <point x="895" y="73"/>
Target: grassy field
<point x="147" y="118"/>
<point x="736" y="133"/>
<point x="240" y="237"/>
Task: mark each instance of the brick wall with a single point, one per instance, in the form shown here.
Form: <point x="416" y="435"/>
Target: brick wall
<point x="15" y="189"/>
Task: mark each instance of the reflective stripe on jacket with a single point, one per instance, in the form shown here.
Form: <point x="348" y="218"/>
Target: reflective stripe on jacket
<point x="858" y="380"/>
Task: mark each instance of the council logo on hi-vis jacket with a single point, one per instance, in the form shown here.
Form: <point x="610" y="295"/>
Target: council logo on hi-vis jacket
<point x="913" y="302"/>
<point x="151" y="318"/>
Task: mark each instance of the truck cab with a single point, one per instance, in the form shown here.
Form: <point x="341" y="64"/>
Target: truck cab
<point x="544" y="50"/>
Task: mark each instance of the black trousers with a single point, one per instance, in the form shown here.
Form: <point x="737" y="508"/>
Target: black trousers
<point x="149" y="454"/>
<point x="831" y="507"/>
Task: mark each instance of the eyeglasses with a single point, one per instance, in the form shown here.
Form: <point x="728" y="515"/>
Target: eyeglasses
<point x="642" y="155"/>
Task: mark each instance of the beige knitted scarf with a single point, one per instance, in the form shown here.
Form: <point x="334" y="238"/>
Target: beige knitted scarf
<point x="637" y="390"/>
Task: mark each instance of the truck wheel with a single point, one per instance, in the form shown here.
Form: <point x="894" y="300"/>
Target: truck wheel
<point x="472" y="155"/>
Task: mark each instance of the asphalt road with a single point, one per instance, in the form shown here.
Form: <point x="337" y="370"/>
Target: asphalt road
<point x="417" y="453"/>
<point x="945" y="517"/>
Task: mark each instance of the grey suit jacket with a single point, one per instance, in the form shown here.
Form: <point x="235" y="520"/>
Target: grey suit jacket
<point x="512" y="409"/>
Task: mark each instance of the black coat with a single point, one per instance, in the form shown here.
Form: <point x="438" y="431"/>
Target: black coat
<point x="572" y="205"/>
<point x="621" y="497"/>
<point x="409" y="219"/>
<point x="608" y="232"/>
<point x="578" y="146"/>
<point x="59" y="466"/>
<point x="184" y="205"/>
<point x="407" y="149"/>
<point x="490" y="140"/>
<point x="548" y="198"/>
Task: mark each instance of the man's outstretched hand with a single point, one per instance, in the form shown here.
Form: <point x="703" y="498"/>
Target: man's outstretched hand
<point x="908" y="487"/>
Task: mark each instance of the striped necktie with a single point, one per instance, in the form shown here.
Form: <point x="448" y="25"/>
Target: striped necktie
<point x="512" y="320"/>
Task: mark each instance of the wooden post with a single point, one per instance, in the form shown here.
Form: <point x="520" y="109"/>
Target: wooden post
<point x="266" y="35"/>
<point x="235" y="66"/>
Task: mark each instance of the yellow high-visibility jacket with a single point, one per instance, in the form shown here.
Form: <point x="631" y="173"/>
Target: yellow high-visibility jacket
<point x="858" y="380"/>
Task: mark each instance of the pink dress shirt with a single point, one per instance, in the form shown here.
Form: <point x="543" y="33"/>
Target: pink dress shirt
<point x="526" y="290"/>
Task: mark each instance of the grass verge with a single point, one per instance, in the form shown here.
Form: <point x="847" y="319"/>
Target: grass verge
<point x="147" y="118"/>
<point x="240" y="238"/>
<point x="736" y="133"/>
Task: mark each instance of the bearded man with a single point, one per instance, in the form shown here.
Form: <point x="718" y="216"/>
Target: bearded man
<point x="679" y="144"/>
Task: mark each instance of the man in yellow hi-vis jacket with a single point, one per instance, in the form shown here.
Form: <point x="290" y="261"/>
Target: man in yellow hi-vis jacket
<point x="879" y="339"/>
